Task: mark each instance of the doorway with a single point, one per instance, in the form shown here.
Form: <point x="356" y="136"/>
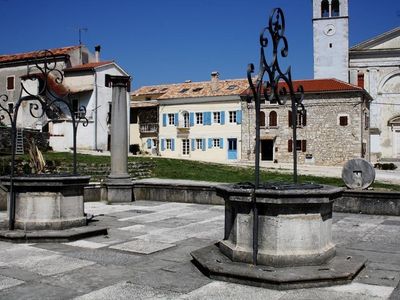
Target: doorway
<point x="267" y="150"/>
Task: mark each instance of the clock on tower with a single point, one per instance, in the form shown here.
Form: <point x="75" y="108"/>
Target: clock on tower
<point x="331" y="39"/>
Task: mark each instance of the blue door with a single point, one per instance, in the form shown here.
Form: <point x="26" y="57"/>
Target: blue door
<point x="232" y="148"/>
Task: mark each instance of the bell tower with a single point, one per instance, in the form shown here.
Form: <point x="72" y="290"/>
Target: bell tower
<point x="331" y="39"/>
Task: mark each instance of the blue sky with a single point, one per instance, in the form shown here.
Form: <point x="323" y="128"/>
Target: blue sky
<point x="168" y="41"/>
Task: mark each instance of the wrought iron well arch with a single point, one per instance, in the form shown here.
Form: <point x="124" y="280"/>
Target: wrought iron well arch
<point x="43" y="67"/>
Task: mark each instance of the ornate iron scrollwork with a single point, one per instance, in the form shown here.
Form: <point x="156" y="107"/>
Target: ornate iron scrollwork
<point x="44" y="69"/>
<point x="277" y="88"/>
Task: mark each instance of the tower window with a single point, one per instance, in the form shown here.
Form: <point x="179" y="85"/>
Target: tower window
<point x="335" y="8"/>
<point x="325" y="9"/>
<point x="330" y="45"/>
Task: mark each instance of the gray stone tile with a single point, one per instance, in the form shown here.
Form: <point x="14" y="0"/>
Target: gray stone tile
<point x="86" y="244"/>
<point x="224" y="290"/>
<point x="378" y="277"/>
<point x="37" y="291"/>
<point x="7" y="282"/>
<point x="142" y="247"/>
<point x="128" y="290"/>
<point x="50" y="265"/>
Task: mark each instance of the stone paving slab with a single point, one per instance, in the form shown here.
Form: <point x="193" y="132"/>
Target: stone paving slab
<point x="142" y="247"/>
<point x="92" y="269"/>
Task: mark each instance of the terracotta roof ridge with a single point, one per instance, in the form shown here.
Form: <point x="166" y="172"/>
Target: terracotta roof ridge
<point x="36" y="51"/>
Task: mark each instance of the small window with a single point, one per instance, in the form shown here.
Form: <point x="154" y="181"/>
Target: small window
<point x="199" y="118"/>
<point x="273" y="119"/>
<point x="153" y="90"/>
<point x="343" y="120"/>
<point x="232" y="117"/>
<point x="301" y="145"/>
<point x="366" y="120"/>
<point x="168" y="144"/>
<point x="171" y="119"/>
<point x="325" y="9"/>
<point x="199" y="144"/>
<point x="335" y="8"/>
<point x="164" y="89"/>
<point x="232" y="87"/>
<point x="301" y="119"/>
<point x="262" y="119"/>
<point x="10" y="83"/>
<point x="197" y="90"/>
<point x="185" y="116"/>
<point x="330" y="45"/>
<point x="183" y="91"/>
<point x="217" y="117"/>
<point x="185" y="147"/>
<point x="216" y="143"/>
<point x="148" y="98"/>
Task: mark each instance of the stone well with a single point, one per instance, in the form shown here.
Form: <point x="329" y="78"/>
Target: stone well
<point x="48" y="202"/>
<point x="294" y="225"/>
<point x="295" y="248"/>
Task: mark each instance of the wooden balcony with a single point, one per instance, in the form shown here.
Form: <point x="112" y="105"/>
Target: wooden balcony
<point x="148" y="128"/>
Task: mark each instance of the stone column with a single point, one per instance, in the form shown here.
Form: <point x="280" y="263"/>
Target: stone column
<point x="118" y="185"/>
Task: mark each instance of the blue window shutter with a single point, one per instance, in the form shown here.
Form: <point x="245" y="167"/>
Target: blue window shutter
<point x="239" y="117"/>
<point x="204" y="145"/>
<point x="172" y="144"/>
<point x="148" y="143"/>
<point x="221" y="143"/>
<point x="193" y="144"/>
<point x="222" y="117"/>
<point x="210" y="143"/>
<point x="207" y="118"/>
<point x="176" y="119"/>
<point x="164" y="120"/>
<point x="191" y="119"/>
<point x="162" y="144"/>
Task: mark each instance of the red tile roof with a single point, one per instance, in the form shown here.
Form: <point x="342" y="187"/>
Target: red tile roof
<point x="88" y="66"/>
<point x="236" y="87"/>
<point x="35" y="54"/>
<point x="319" y="86"/>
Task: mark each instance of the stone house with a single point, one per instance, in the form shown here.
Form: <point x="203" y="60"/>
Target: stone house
<point x="193" y="120"/>
<point x="83" y="84"/>
<point x="333" y="130"/>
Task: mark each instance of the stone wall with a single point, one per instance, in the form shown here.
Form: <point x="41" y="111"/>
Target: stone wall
<point x="41" y="140"/>
<point x="326" y="141"/>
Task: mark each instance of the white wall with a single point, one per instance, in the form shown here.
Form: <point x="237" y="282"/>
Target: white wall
<point x="200" y="131"/>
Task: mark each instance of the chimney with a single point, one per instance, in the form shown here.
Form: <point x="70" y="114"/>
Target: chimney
<point x="97" y="53"/>
<point x="214" y="81"/>
<point x="360" y="80"/>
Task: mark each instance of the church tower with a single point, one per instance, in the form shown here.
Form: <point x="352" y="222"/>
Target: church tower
<point x="331" y="39"/>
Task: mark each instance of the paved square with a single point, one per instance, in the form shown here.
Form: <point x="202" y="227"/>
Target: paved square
<point x="149" y="258"/>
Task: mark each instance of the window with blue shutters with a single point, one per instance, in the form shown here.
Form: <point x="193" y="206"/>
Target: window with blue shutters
<point x="207" y="118"/>
<point x="191" y="119"/>
<point x="232" y="117"/>
<point x="216" y="143"/>
<point x="222" y="117"/>
<point x="176" y="119"/>
<point x="193" y="144"/>
<point x="171" y="119"/>
<point x="217" y="117"/>
<point x="164" y="120"/>
<point x="163" y="144"/>
<point x="239" y="117"/>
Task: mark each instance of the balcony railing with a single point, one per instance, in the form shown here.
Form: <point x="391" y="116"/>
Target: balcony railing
<point x="148" y="128"/>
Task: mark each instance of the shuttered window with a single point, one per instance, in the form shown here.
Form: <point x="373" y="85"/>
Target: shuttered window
<point x="301" y="145"/>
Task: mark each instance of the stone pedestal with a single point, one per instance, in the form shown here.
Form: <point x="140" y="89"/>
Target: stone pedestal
<point x="295" y="248"/>
<point x="294" y="226"/>
<point x="48" y="202"/>
<point x="118" y="185"/>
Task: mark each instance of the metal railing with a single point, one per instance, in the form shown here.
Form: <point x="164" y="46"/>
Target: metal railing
<point x="148" y="128"/>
